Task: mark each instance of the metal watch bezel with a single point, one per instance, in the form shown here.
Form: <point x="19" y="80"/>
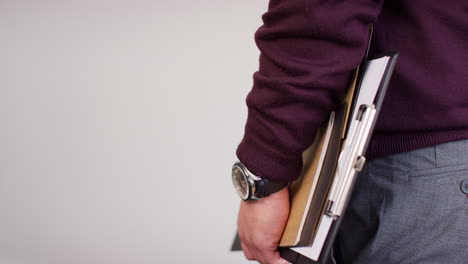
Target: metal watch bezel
<point x="250" y="179"/>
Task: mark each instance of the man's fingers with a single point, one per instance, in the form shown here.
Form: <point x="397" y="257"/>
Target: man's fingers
<point x="269" y="256"/>
<point x="248" y="255"/>
<point x="264" y="256"/>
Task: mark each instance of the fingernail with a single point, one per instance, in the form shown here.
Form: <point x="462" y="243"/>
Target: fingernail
<point x="283" y="261"/>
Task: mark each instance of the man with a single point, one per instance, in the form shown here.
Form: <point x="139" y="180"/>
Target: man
<point x="410" y="203"/>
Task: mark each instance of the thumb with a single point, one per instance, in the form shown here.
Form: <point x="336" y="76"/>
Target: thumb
<point x="280" y="260"/>
<point x="275" y="258"/>
<point x="283" y="261"/>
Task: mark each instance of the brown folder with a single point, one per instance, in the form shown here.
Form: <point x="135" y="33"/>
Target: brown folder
<point x="309" y="192"/>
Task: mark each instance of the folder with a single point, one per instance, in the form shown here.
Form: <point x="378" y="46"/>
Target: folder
<point x="314" y="242"/>
<point x="309" y="192"/>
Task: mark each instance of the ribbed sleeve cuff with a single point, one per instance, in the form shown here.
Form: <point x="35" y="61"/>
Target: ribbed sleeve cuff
<point x="265" y="163"/>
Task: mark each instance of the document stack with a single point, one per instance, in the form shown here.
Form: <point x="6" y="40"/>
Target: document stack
<point x="320" y="195"/>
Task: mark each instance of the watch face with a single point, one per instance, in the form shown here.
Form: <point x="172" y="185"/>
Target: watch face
<point x="240" y="182"/>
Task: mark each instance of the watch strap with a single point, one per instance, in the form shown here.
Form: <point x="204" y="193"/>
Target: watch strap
<point x="266" y="187"/>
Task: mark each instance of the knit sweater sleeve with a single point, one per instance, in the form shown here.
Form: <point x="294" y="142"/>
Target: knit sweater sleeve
<point x="309" y="49"/>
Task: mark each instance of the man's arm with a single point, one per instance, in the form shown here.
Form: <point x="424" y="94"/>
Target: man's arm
<point x="309" y="49"/>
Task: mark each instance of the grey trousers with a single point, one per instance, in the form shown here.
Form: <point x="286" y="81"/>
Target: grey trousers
<point x="409" y="208"/>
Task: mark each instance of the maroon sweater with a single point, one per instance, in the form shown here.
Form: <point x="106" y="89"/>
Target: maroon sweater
<point x="308" y="52"/>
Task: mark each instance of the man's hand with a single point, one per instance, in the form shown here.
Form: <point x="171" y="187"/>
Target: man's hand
<point x="261" y="224"/>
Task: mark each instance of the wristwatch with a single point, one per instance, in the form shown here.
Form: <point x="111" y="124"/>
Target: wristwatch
<point x="250" y="186"/>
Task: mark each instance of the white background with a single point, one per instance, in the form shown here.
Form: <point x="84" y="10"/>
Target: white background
<point x="119" y="122"/>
